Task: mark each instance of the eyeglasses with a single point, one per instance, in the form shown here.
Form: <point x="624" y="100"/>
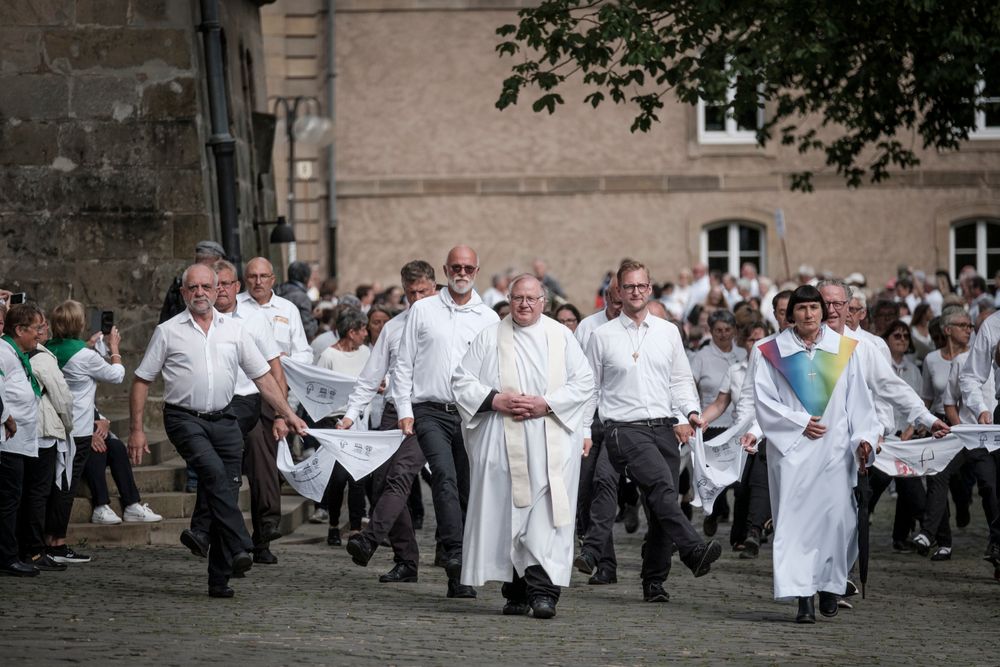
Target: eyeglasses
<point x="961" y="325"/>
<point x="899" y="335"/>
<point x="854" y="310"/>
<point x="467" y="269"/>
<point x="635" y="287"/>
<point x="530" y="300"/>
<point x="259" y="277"/>
<point x="226" y="284"/>
<point x="568" y="320"/>
<point x="837" y="305"/>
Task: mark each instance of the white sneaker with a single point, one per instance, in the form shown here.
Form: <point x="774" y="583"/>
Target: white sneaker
<point x="141" y="513"/>
<point x="105" y="515"/>
<point x="320" y="516"/>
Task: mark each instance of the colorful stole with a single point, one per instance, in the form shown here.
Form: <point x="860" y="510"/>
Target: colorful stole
<point x="812" y="380"/>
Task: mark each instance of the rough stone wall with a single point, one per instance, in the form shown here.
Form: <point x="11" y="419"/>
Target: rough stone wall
<point x="106" y="182"/>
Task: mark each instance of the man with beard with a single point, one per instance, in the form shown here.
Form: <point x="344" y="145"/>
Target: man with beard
<point x="436" y="336"/>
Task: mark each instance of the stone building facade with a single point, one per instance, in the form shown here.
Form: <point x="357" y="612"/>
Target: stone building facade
<point x="424" y="160"/>
<point x="106" y="177"/>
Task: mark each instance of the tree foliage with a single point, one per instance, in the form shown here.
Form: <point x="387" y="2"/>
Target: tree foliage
<point x="885" y="75"/>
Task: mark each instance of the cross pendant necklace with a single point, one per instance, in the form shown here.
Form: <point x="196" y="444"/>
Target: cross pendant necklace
<point x="635" y="348"/>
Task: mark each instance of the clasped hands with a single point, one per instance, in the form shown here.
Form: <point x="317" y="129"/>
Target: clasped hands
<point x="520" y="406"/>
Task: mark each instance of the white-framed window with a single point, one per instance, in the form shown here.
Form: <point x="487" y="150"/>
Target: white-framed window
<point x="726" y="246"/>
<point x="988" y="95"/>
<point x="976" y="242"/>
<point x="718" y="124"/>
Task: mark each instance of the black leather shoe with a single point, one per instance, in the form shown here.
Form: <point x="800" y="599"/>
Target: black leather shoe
<point x="710" y="525"/>
<point x="196" y="541"/>
<point x="242" y="562"/>
<point x="962" y="516"/>
<point x="269" y="532"/>
<point x="652" y="591"/>
<point x="992" y="554"/>
<point x="18" y="569"/>
<point x="543" y="606"/>
<point x="458" y="590"/>
<point x="333" y="537"/>
<point x="264" y="556"/>
<point x="807" y="611"/>
<point x="701" y="559"/>
<point x="220" y="592"/>
<point x="439" y="557"/>
<point x="827" y="604"/>
<point x="631" y="518"/>
<point x="513" y="608"/>
<point x="586" y="562"/>
<point x="603" y="577"/>
<point x="453" y="568"/>
<point x="361" y="550"/>
<point x="402" y="573"/>
<point x="44" y="563"/>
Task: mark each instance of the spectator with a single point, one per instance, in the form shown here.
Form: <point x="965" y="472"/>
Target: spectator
<point x="551" y="284"/>
<point x="568" y="316"/>
<point x="366" y="295"/>
<point x="110" y="452"/>
<point x="295" y="291"/>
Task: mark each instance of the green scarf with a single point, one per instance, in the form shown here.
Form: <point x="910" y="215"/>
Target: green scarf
<point x="26" y="364"/>
<point x="65" y="348"/>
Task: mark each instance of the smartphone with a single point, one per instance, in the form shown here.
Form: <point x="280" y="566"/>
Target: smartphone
<point x="107" y="321"/>
<point x="18" y="297"/>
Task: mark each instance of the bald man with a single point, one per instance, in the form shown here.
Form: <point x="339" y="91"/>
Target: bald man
<point x="437" y="334"/>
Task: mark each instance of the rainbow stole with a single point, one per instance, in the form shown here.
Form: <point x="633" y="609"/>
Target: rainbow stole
<point x="812" y="380"/>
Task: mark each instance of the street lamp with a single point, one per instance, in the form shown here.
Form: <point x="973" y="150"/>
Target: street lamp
<point x="310" y="128"/>
<point x="282" y="232"/>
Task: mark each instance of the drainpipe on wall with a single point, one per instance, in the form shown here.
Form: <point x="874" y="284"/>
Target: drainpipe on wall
<point x="222" y="143"/>
<point x="331" y="174"/>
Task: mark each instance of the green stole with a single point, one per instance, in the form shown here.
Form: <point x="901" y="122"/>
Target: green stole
<point x="65" y="348"/>
<point x="26" y="364"/>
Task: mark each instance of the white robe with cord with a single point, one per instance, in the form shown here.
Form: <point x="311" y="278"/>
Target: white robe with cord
<point x="811" y="481"/>
<point x="527" y="518"/>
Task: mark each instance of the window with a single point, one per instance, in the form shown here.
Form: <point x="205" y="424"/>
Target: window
<point x="718" y="124"/>
<point x="976" y="243"/>
<point x="988" y="95"/>
<point x="727" y="246"/>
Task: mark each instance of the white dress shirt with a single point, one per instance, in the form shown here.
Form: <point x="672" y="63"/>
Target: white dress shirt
<point x="255" y="322"/>
<point x="286" y="324"/>
<point x="82" y="372"/>
<point x="979" y="364"/>
<point x="436" y="336"/>
<point x="380" y="364"/>
<point x="709" y="367"/>
<point x="952" y="394"/>
<point x="657" y="384"/>
<point x="588" y="325"/>
<point x="20" y="400"/>
<point x="200" y="369"/>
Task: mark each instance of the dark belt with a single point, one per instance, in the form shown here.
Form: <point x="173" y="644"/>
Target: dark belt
<point x="450" y="408"/>
<point x="207" y="416"/>
<point x="659" y="421"/>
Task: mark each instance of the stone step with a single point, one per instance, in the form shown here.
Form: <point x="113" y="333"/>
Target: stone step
<point x="168" y="504"/>
<point x="294" y="511"/>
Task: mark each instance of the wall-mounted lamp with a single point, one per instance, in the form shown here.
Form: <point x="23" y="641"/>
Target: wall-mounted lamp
<point x="282" y="232"/>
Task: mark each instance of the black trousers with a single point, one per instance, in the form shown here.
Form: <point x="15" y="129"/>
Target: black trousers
<point x="440" y="436"/>
<point x="597" y="504"/>
<point x="535" y="583"/>
<point x="11" y="485"/>
<point x="215" y="450"/>
<point x="911" y="501"/>
<point x="650" y="456"/>
<point x="390" y="516"/>
<point x="60" y="502"/>
<point x="333" y="497"/>
<point x="115" y="458"/>
<point x="39" y="475"/>
<point x="751" y="498"/>
<point x="984" y="469"/>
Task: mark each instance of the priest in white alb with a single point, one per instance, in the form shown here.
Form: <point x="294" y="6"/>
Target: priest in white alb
<point x="819" y="419"/>
<point x="524" y="391"/>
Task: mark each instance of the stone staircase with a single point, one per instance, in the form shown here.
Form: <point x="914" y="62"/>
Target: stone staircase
<point x="161" y="478"/>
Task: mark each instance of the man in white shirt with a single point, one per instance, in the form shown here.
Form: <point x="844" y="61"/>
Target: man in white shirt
<point x="260" y="449"/>
<point x="199" y="353"/>
<point x="436" y="336"/>
<point x="645" y="395"/>
<point x="390" y="516"/>
<point x="286" y="323"/>
<point x="597" y="500"/>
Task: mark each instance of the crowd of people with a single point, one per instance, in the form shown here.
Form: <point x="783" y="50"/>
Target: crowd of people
<point x="541" y="425"/>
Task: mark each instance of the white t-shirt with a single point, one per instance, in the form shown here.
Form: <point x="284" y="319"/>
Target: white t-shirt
<point x="348" y="363"/>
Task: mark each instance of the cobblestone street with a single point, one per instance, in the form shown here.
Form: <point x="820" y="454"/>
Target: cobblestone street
<point x="148" y="606"/>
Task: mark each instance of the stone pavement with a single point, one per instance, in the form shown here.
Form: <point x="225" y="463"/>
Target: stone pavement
<point x="147" y="605"/>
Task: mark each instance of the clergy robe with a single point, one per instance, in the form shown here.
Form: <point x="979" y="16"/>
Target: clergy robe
<point x="516" y="521"/>
<point x="815" y="514"/>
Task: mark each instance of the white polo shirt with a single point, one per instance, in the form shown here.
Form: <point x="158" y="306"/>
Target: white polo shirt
<point x="380" y="364"/>
<point x="286" y="324"/>
<point x="255" y="322"/>
<point x="200" y="369"/>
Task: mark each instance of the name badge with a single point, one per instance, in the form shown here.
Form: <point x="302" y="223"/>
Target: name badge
<point x="279" y="318"/>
